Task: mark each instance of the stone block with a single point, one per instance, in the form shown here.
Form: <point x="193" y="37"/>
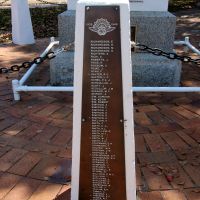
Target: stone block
<point x="66" y="27"/>
<point x="148" y="70"/>
<point x="154" y="29"/>
<point x="62" y="69"/>
<point x="151" y="71"/>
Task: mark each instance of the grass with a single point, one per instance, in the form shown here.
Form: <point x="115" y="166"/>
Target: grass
<point x="45" y="19"/>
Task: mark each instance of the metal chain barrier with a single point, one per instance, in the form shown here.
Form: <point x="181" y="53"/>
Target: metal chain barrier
<point x="3" y="2"/>
<point x="51" y="55"/>
<point x="159" y="52"/>
<point x="37" y="60"/>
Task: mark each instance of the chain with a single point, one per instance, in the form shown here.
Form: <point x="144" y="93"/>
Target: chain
<point x="159" y="52"/>
<point x="51" y="55"/>
<point x="46" y="2"/>
<point x="3" y="2"/>
<point x="37" y="60"/>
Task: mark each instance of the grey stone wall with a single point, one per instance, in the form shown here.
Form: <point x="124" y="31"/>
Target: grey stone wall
<point x="154" y="29"/>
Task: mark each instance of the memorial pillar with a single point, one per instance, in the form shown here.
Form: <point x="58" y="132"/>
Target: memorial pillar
<point x="22" y="30"/>
<point x="103" y="156"/>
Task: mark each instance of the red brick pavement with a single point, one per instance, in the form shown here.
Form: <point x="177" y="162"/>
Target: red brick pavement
<point x="36" y="133"/>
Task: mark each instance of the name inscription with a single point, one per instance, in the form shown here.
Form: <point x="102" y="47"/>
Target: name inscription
<point x="102" y="166"/>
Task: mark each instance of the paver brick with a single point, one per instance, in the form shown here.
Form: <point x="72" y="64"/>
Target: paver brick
<point x="23" y="190"/>
<point x="46" y="191"/>
<point x="142" y="119"/>
<point x="141" y="130"/>
<point x="155" y="143"/>
<point x="45" y="134"/>
<point x="31" y="131"/>
<point x="65" y="193"/>
<point x="156" y="157"/>
<point x="66" y="153"/>
<point x="150" y="195"/>
<point x="172" y="115"/>
<point x="62" y="137"/>
<point x="26" y="164"/>
<point x="193" y="172"/>
<point x="48" y="110"/>
<point x="179" y="179"/>
<point x="48" y="149"/>
<point x="194" y="133"/>
<point x="189" y="140"/>
<point x="7" y="182"/>
<point x="140" y="145"/>
<point x="185" y="113"/>
<point x="192" y="123"/>
<point x="173" y="195"/>
<point x="146" y="108"/>
<point x="62" y="113"/>
<point x="157" y="117"/>
<point x="193" y="194"/>
<point x="155" y="182"/>
<point x="7" y="122"/>
<point x="49" y="166"/>
<point x="193" y="108"/>
<point x="10" y="158"/>
<point x="61" y="123"/>
<point x="165" y="127"/>
<point x="174" y="141"/>
<point x="18" y="127"/>
<point x="139" y="179"/>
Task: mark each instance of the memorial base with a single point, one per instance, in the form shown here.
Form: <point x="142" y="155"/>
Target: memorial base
<point x="148" y="70"/>
<point x="155" y="29"/>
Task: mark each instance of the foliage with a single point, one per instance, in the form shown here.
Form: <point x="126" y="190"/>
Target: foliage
<point x="175" y="5"/>
<point x="45" y="22"/>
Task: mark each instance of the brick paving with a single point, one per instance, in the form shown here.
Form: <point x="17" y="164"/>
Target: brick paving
<point x="36" y="134"/>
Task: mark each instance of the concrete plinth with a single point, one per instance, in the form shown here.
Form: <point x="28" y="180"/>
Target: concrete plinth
<point x="66" y="27"/>
<point x="154" y="29"/>
<point x="151" y="70"/>
<point x="62" y="69"/>
<point x="148" y="70"/>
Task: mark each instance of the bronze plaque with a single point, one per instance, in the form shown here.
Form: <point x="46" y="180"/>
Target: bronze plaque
<point x="102" y="161"/>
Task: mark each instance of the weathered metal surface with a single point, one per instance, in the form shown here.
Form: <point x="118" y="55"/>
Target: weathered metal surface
<point x="102" y="161"/>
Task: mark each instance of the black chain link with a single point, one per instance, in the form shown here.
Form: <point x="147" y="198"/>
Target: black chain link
<point x="37" y="60"/>
<point x="172" y="56"/>
<point x="26" y="65"/>
<point x="51" y="55"/>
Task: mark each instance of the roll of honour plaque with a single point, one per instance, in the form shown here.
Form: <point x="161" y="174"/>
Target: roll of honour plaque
<point x="102" y="161"/>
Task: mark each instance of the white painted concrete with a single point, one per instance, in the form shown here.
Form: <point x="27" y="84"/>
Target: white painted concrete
<point x="136" y="5"/>
<point x="149" y="5"/>
<point x="127" y="94"/>
<point x="22" y="30"/>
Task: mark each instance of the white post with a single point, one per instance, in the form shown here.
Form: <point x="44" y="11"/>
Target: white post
<point x="15" y="85"/>
<point x="22" y="30"/>
<point x="78" y="119"/>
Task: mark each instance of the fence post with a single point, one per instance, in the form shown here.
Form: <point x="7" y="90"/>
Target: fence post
<point x="22" y="30"/>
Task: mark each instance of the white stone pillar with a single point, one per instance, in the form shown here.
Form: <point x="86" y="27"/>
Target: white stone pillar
<point x="22" y="30"/>
<point x="126" y="66"/>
